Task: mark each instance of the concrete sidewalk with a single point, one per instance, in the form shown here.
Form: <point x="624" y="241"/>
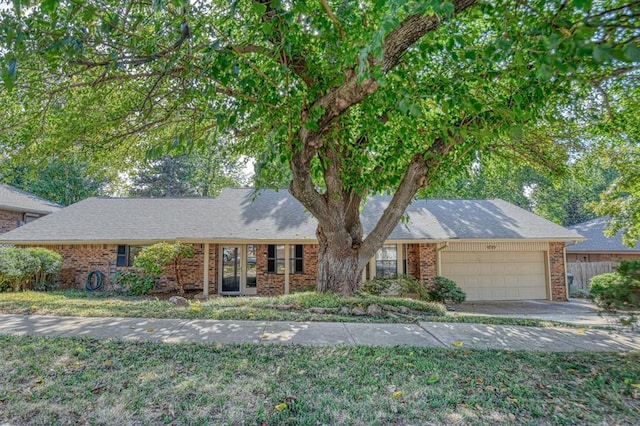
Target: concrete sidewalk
<point x="424" y="334"/>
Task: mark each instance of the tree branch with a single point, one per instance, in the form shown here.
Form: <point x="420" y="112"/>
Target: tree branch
<point x="332" y="17"/>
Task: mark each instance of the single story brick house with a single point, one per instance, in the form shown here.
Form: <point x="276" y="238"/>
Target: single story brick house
<point x="264" y="243"/>
<point x="599" y="248"/>
<point x="19" y="207"/>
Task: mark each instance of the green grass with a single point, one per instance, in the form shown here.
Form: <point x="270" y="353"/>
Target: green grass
<point x="109" y="304"/>
<point x="83" y="381"/>
<point x="80" y="303"/>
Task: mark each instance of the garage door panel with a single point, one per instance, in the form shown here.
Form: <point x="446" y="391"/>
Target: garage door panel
<point x="497" y="275"/>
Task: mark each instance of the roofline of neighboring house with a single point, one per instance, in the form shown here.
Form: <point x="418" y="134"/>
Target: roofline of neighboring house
<point x="631" y="250"/>
<point x="275" y="241"/>
<point x="25" y="210"/>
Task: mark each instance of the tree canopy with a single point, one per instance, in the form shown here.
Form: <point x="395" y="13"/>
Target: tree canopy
<point x="63" y="180"/>
<point x="345" y="99"/>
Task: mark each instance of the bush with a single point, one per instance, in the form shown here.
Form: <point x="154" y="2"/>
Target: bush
<point x="630" y="269"/>
<point x="22" y="268"/>
<point x="615" y="290"/>
<point x="377" y="286"/>
<point x="50" y="265"/>
<point x="399" y="285"/>
<point x="445" y="289"/>
<point x="155" y="259"/>
<point x="133" y="283"/>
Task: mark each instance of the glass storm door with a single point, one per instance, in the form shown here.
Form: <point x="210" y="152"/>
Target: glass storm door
<point x="231" y="270"/>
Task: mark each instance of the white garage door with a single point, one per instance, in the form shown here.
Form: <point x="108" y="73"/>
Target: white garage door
<point x="497" y="275"/>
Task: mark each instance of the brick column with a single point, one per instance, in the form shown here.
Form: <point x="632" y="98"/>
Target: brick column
<point x="427" y="264"/>
<point x="557" y="272"/>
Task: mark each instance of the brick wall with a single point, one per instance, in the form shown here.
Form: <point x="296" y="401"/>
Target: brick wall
<point x="273" y="284"/>
<point x="310" y="276"/>
<point x="267" y="284"/>
<point x="9" y="220"/>
<point x="192" y="272"/>
<point x="413" y="260"/>
<point x="80" y="259"/>
<point x="557" y="272"/>
<point x="427" y="263"/>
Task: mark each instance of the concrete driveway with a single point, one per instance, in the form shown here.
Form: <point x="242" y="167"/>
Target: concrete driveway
<point x="576" y="311"/>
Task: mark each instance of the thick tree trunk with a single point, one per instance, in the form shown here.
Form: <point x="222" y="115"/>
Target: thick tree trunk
<point x="339" y="266"/>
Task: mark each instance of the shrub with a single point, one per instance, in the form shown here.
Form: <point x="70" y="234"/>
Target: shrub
<point x="445" y="289"/>
<point x="50" y="265"/>
<point x="615" y="291"/>
<point x="155" y="259"/>
<point x="399" y="285"/>
<point x="22" y="268"/>
<point x="133" y="283"/>
<point x="377" y="286"/>
<point x="630" y="269"/>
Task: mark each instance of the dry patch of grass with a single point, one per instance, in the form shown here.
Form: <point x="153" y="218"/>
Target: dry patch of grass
<point x="83" y="381"/>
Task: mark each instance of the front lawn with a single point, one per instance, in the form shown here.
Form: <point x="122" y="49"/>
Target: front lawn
<point x="83" y="381"/>
<point x="294" y="307"/>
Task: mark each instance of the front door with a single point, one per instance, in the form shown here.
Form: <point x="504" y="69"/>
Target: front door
<point x="231" y="270"/>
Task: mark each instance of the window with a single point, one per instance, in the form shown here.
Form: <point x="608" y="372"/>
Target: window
<point x="296" y="258"/>
<point x="127" y="254"/>
<point x="252" y="277"/>
<point x="405" y="265"/>
<point x="30" y="217"/>
<point x="275" y="259"/>
<point x="387" y="261"/>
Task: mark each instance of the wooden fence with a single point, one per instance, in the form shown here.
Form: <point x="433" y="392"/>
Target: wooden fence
<point x="584" y="271"/>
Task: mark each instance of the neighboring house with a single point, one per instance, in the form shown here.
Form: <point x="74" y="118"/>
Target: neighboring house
<point x="265" y="243"/>
<point x="19" y="207"/>
<point x="598" y="247"/>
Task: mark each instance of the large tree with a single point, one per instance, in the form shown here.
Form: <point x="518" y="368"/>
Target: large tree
<point x="193" y="174"/>
<point x="63" y="180"/>
<point x="354" y="97"/>
<point x="564" y="194"/>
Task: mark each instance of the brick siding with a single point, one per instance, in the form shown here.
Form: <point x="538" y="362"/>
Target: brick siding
<point x="413" y="260"/>
<point x="273" y="284"/>
<point x="9" y="220"/>
<point x="427" y="262"/>
<point x="79" y="260"/>
<point x="557" y="272"/>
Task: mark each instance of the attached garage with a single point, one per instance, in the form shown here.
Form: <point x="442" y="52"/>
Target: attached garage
<point x="496" y="272"/>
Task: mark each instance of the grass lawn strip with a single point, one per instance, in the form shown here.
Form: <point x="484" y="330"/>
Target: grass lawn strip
<point x="74" y="380"/>
<point x="106" y="304"/>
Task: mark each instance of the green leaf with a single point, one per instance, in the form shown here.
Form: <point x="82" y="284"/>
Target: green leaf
<point x="583" y="4"/>
<point x="259" y="8"/>
<point x="403" y="105"/>
<point x="157" y="5"/>
<point x="12" y="67"/>
<point x="49" y="6"/>
<point x="516" y="133"/>
<point x="267" y="28"/>
<point x="446" y="9"/>
<point x="632" y="51"/>
<point x="602" y="52"/>
<point x="432" y="379"/>
<point x="415" y="110"/>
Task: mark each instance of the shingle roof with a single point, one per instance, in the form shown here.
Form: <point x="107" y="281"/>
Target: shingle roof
<point x="240" y="214"/>
<point x="16" y="200"/>
<point x="593" y="230"/>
